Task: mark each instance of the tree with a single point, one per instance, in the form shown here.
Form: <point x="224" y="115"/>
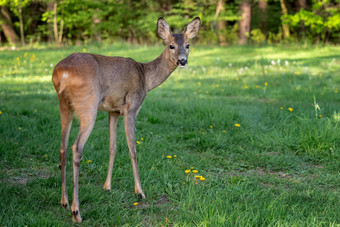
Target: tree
<point x="245" y="21"/>
<point x="221" y="24"/>
<point x="7" y="26"/>
<point x="285" y="26"/>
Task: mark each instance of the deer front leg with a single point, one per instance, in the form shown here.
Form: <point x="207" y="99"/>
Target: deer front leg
<point x="129" y="120"/>
<point x="113" y="119"/>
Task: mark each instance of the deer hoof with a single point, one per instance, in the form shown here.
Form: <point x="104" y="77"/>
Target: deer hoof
<point x="141" y="195"/>
<point x="76" y="216"/>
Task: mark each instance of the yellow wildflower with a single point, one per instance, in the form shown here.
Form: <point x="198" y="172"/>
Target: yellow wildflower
<point x="45" y="156"/>
<point x="194" y="171"/>
<point x="224" y="130"/>
<point x="290" y="109"/>
<point x="211" y="126"/>
<point x="217" y="85"/>
<point x="265" y="84"/>
<point x="202" y="178"/>
<point x="237" y="125"/>
<point x="281" y="108"/>
<point x="187" y="171"/>
<point x="197" y="176"/>
<point x="137" y="142"/>
<point x="169" y="156"/>
<point x="320" y="115"/>
<point x="19" y="128"/>
<point x="175" y="156"/>
<point x="135" y="204"/>
<point x="297" y="73"/>
<point x="0" y="112"/>
<point x="89" y="161"/>
<point x="84" y="49"/>
<point x="141" y="139"/>
<point x="245" y="87"/>
<point x="191" y="167"/>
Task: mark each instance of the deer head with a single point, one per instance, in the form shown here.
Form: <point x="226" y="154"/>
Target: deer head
<point x="178" y="44"/>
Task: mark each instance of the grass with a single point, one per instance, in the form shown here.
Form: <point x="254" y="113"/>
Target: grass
<point x="280" y="167"/>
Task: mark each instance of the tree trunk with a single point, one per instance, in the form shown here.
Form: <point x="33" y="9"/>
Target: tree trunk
<point x="263" y="16"/>
<point x="55" y="22"/>
<point x="302" y="4"/>
<point x="245" y="21"/>
<point x="22" y="35"/>
<point x="285" y="27"/>
<point x="50" y="37"/>
<point x="7" y="26"/>
<point x="221" y="24"/>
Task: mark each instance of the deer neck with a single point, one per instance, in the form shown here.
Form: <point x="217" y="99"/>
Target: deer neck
<point x="158" y="70"/>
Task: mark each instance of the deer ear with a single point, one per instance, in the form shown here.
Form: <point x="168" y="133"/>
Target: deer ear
<point x="163" y="28"/>
<point x="192" y="28"/>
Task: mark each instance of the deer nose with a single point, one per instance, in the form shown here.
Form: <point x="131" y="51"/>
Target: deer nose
<point x="182" y="61"/>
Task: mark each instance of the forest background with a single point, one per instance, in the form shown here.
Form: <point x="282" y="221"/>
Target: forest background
<point x="224" y="22"/>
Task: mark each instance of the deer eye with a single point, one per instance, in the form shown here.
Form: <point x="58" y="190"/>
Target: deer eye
<point x="187" y="46"/>
<point x="172" y="47"/>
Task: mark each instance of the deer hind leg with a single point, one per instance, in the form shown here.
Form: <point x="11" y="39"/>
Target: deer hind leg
<point x="87" y="119"/>
<point x="113" y="119"/>
<point x="129" y="121"/>
<point x="66" y="116"/>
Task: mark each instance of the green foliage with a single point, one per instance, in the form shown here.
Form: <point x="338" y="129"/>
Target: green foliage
<point x="257" y="36"/>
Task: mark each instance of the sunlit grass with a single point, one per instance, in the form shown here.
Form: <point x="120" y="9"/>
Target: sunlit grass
<point x="243" y="136"/>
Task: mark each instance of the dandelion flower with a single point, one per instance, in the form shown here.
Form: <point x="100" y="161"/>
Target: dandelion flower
<point x="194" y="171"/>
<point x="191" y="167"/>
<point x="320" y="115"/>
<point x="187" y="171"/>
<point x="135" y="204"/>
<point x="237" y="125"/>
<point x="290" y="109"/>
<point x="202" y="178"/>
<point x="45" y="156"/>
<point x="224" y="131"/>
<point x="175" y="156"/>
<point x="197" y="176"/>
<point x="0" y="112"/>
<point x="245" y="87"/>
<point x="89" y="161"/>
<point x="211" y="126"/>
<point x="84" y="49"/>
<point x="137" y="142"/>
<point x="19" y="128"/>
<point x="281" y="108"/>
<point x="169" y="156"/>
<point x="141" y="139"/>
<point x="265" y="84"/>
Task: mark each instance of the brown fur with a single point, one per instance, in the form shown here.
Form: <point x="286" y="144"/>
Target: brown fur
<point x="86" y="83"/>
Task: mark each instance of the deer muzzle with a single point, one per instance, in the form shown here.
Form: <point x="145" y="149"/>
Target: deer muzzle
<point x="182" y="62"/>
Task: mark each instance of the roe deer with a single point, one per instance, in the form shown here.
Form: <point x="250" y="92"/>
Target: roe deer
<point x="86" y="83"/>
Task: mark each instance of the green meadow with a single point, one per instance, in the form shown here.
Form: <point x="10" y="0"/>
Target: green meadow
<point x="244" y="136"/>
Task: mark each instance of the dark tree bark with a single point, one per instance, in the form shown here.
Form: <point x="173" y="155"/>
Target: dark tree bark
<point x="245" y="21"/>
<point x="8" y="27"/>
